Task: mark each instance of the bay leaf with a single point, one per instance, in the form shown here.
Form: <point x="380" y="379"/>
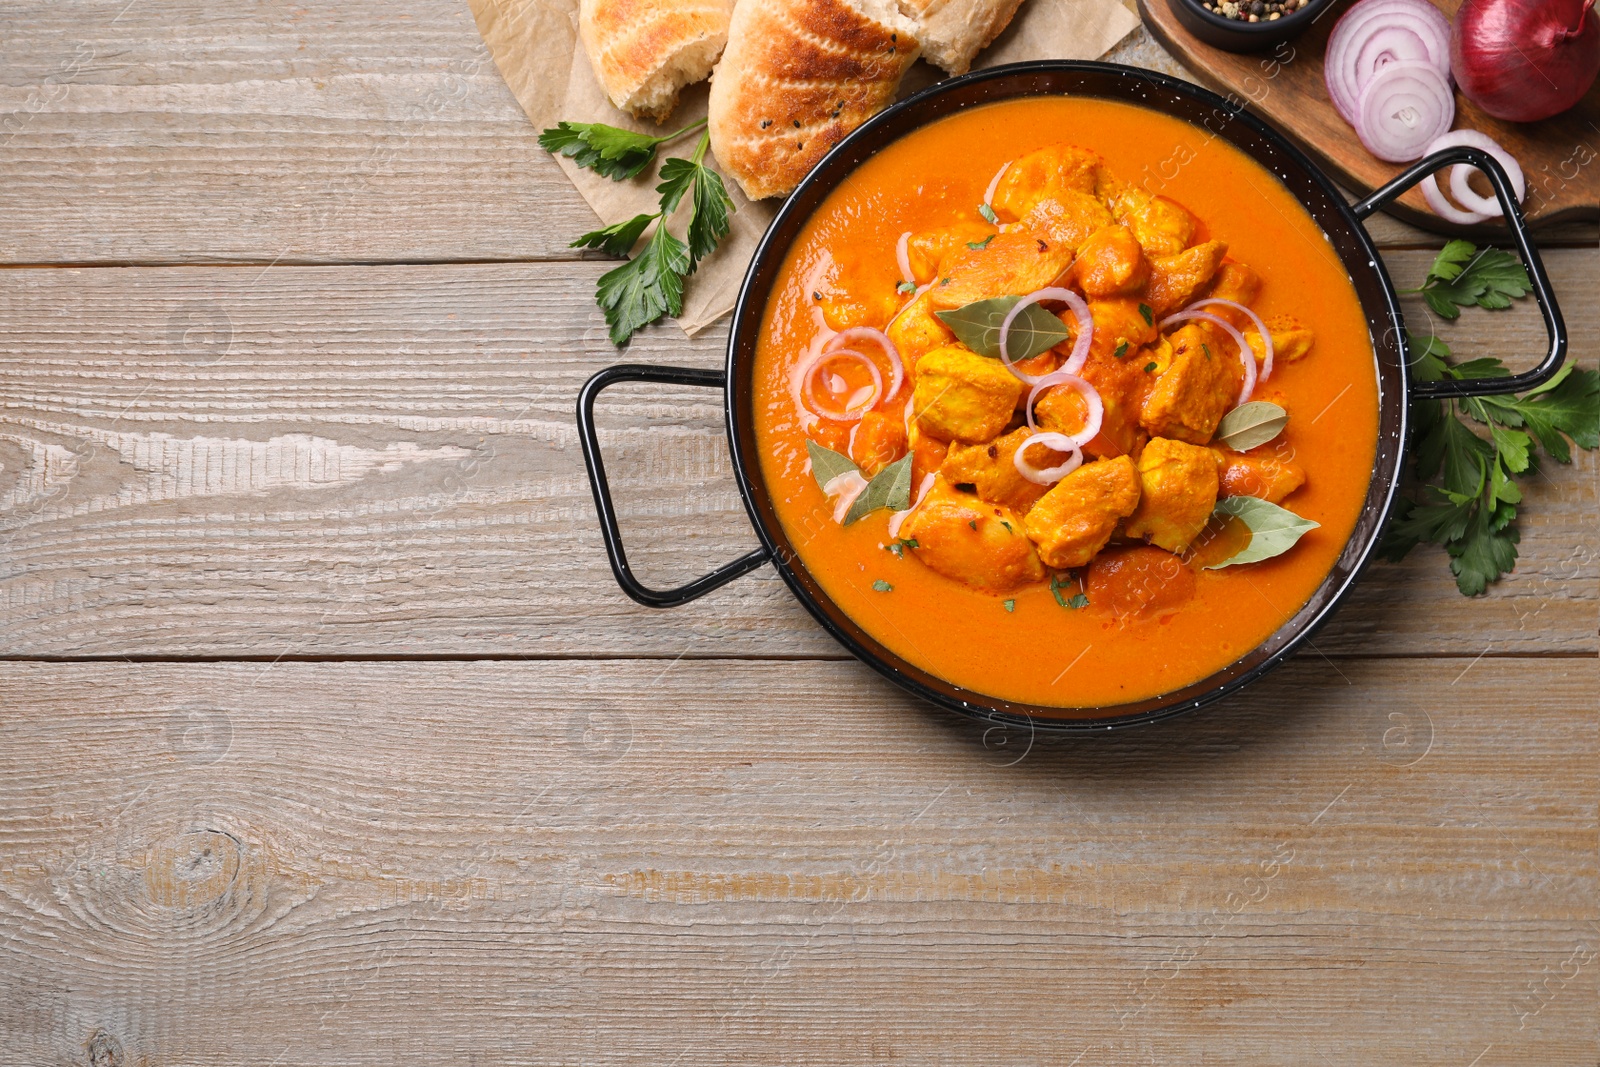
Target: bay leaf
<point x="1273" y="530"/>
<point x="977" y="325"/>
<point x="826" y="464"/>
<point x="890" y="488"/>
<point x="1252" y="424"/>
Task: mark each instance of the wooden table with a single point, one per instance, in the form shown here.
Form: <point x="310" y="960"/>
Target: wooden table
<point x="327" y="738"/>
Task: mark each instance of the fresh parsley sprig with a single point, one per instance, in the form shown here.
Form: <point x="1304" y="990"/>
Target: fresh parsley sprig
<point x="1468" y="502"/>
<point x="1464" y="276"/>
<point x="650" y="285"/>
<point x="607" y="150"/>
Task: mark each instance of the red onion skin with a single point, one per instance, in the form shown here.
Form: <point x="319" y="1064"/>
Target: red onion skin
<point x="1525" y="60"/>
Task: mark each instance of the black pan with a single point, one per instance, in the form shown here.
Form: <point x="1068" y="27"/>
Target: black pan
<point x="1341" y="221"/>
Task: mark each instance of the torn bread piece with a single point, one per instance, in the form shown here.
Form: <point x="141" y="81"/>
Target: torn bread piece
<point x="645" y="51"/>
<point x="797" y="76"/>
<point x="952" y="32"/>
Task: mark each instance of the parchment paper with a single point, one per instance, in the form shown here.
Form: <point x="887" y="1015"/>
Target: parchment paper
<point x="535" y="45"/>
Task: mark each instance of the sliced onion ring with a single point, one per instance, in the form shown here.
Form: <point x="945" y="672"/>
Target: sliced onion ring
<point x="1080" y="347"/>
<point x="1093" y="420"/>
<point x="1465" y="194"/>
<point x="897" y="372"/>
<point x="902" y="257"/>
<point x="1444" y="208"/>
<point x="1375" y="33"/>
<point x="1404" y="109"/>
<point x="1048" y="475"/>
<point x="994" y="183"/>
<point x="1247" y="358"/>
<point x="1261" y="327"/>
<point x="809" y="379"/>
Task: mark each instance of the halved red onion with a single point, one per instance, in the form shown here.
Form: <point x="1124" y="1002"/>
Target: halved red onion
<point x="994" y="183"/>
<point x="1247" y="358"/>
<point x="1091" y="398"/>
<point x="846" y="411"/>
<point x="902" y="256"/>
<point x="1080" y="347"/>
<point x="1261" y="327"/>
<point x="897" y="372"/>
<point x="900" y="516"/>
<point x="846" y="487"/>
<point x="1048" y="475"/>
<point x="1374" y="34"/>
<point x="1465" y="194"/>
<point x="1404" y="109"/>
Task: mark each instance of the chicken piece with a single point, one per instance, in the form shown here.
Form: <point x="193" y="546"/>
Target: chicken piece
<point x="1110" y="262"/>
<point x="1139" y="581"/>
<point x="1236" y="282"/>
<point x="1177" y="280"/>
<point x="1118" y="321"/>
<point x="1016" y="263"/>
<point x="1076" y="518"/>
<point x="879" y="439"/>
<point x="844" y="310"/>
<point x="1162" y="227"/>
<point x="1177" y="492"/>
<point x="929" y="250"/>
<point x="916" y="331"/>
<point x="991" y="469"/>
<point x="973" y="542"/>
<point x="1067" y="219"/>
<point x="1191" y="395"/>
<point x="961" y="396"/>
<point x="927" y="454"/>
<point x="1290" y="340"/>
<point x="1264" y="476"/>
<point x="1045" y="175"/>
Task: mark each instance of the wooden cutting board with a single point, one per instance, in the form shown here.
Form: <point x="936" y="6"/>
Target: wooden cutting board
<point x="1560" y="156"/>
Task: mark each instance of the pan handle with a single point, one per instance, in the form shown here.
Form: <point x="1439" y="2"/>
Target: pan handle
<point x="1554" y="326"/>
<point x="650" y="598"/>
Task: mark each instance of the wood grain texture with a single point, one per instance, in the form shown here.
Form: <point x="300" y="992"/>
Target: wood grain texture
<point x="1286" y="83"/>
<point x="303" y="461"/>
<point x="790" y="863"/>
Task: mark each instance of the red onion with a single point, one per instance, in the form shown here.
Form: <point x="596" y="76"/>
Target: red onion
<point x="897" y="373"/>
<point x="1048" y="475"/>
<point x="1247" y="358"/>
<point x="846" y="487"/>
<point x="1403" y="109"/>
<point x="1261" y="328"/>
<point x="846" y="413"/>
<point x="903" y="258"/>
<point x="1372" y="35"/>
<point x="1091" y="399"/>
<point x="994" y="183"/>
<point x="1474" y="208"/>
<point x="1080" y="347"/>
<point x="1525" y="60"/>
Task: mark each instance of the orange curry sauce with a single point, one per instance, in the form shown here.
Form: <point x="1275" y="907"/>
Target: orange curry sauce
<point x="1040" y="652"/>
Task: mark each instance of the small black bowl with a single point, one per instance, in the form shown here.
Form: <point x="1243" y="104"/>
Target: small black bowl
<point x="1231" y="35"/>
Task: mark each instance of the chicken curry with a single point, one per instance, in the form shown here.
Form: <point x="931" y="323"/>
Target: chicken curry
<point x="1065" y="401"/>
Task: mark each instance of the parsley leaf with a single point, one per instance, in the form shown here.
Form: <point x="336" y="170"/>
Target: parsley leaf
<point x="617" y="239"/>
<point x="1469" y="505"/>
<point x="1149" y="316"/>
<point x="1463" y="276"/>
<point x="615" y="153"/>
<point x="988" y="214"/>
<point x="882" y="586"/>
<point x="978" y="246"/>
<point x="646" y="287"/>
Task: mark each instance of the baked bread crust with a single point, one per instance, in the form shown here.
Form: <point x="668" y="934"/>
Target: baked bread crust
<point x="954" y="31"/>
<point x="796" y="77"/>
<point x="645" y="51"/>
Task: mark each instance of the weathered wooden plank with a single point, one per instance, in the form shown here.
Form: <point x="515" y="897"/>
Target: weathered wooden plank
<point x="227" y="461"/>
<point x="177" y="132"/>
<point x="350" y="863"/>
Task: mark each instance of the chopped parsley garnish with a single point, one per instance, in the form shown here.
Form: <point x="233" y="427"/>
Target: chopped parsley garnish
<point x="1149" y="316"/>
<point x="650" y="285"/>
<point x="882" y="586"/>
<point x="1462" y="276"/>
<point x="1072" y="603"/>
<point x="907" y="287"/>
<point x="1121" y="351"/>
<point x="901" y="544"/>
<point x="978" y="246"/>
<point x="1011" y="605"/>
<point x="972" y="523"/>
<point x="1148" y="367"/>
<point x="1206" y="349"/>
<point x="988" y="214"/>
